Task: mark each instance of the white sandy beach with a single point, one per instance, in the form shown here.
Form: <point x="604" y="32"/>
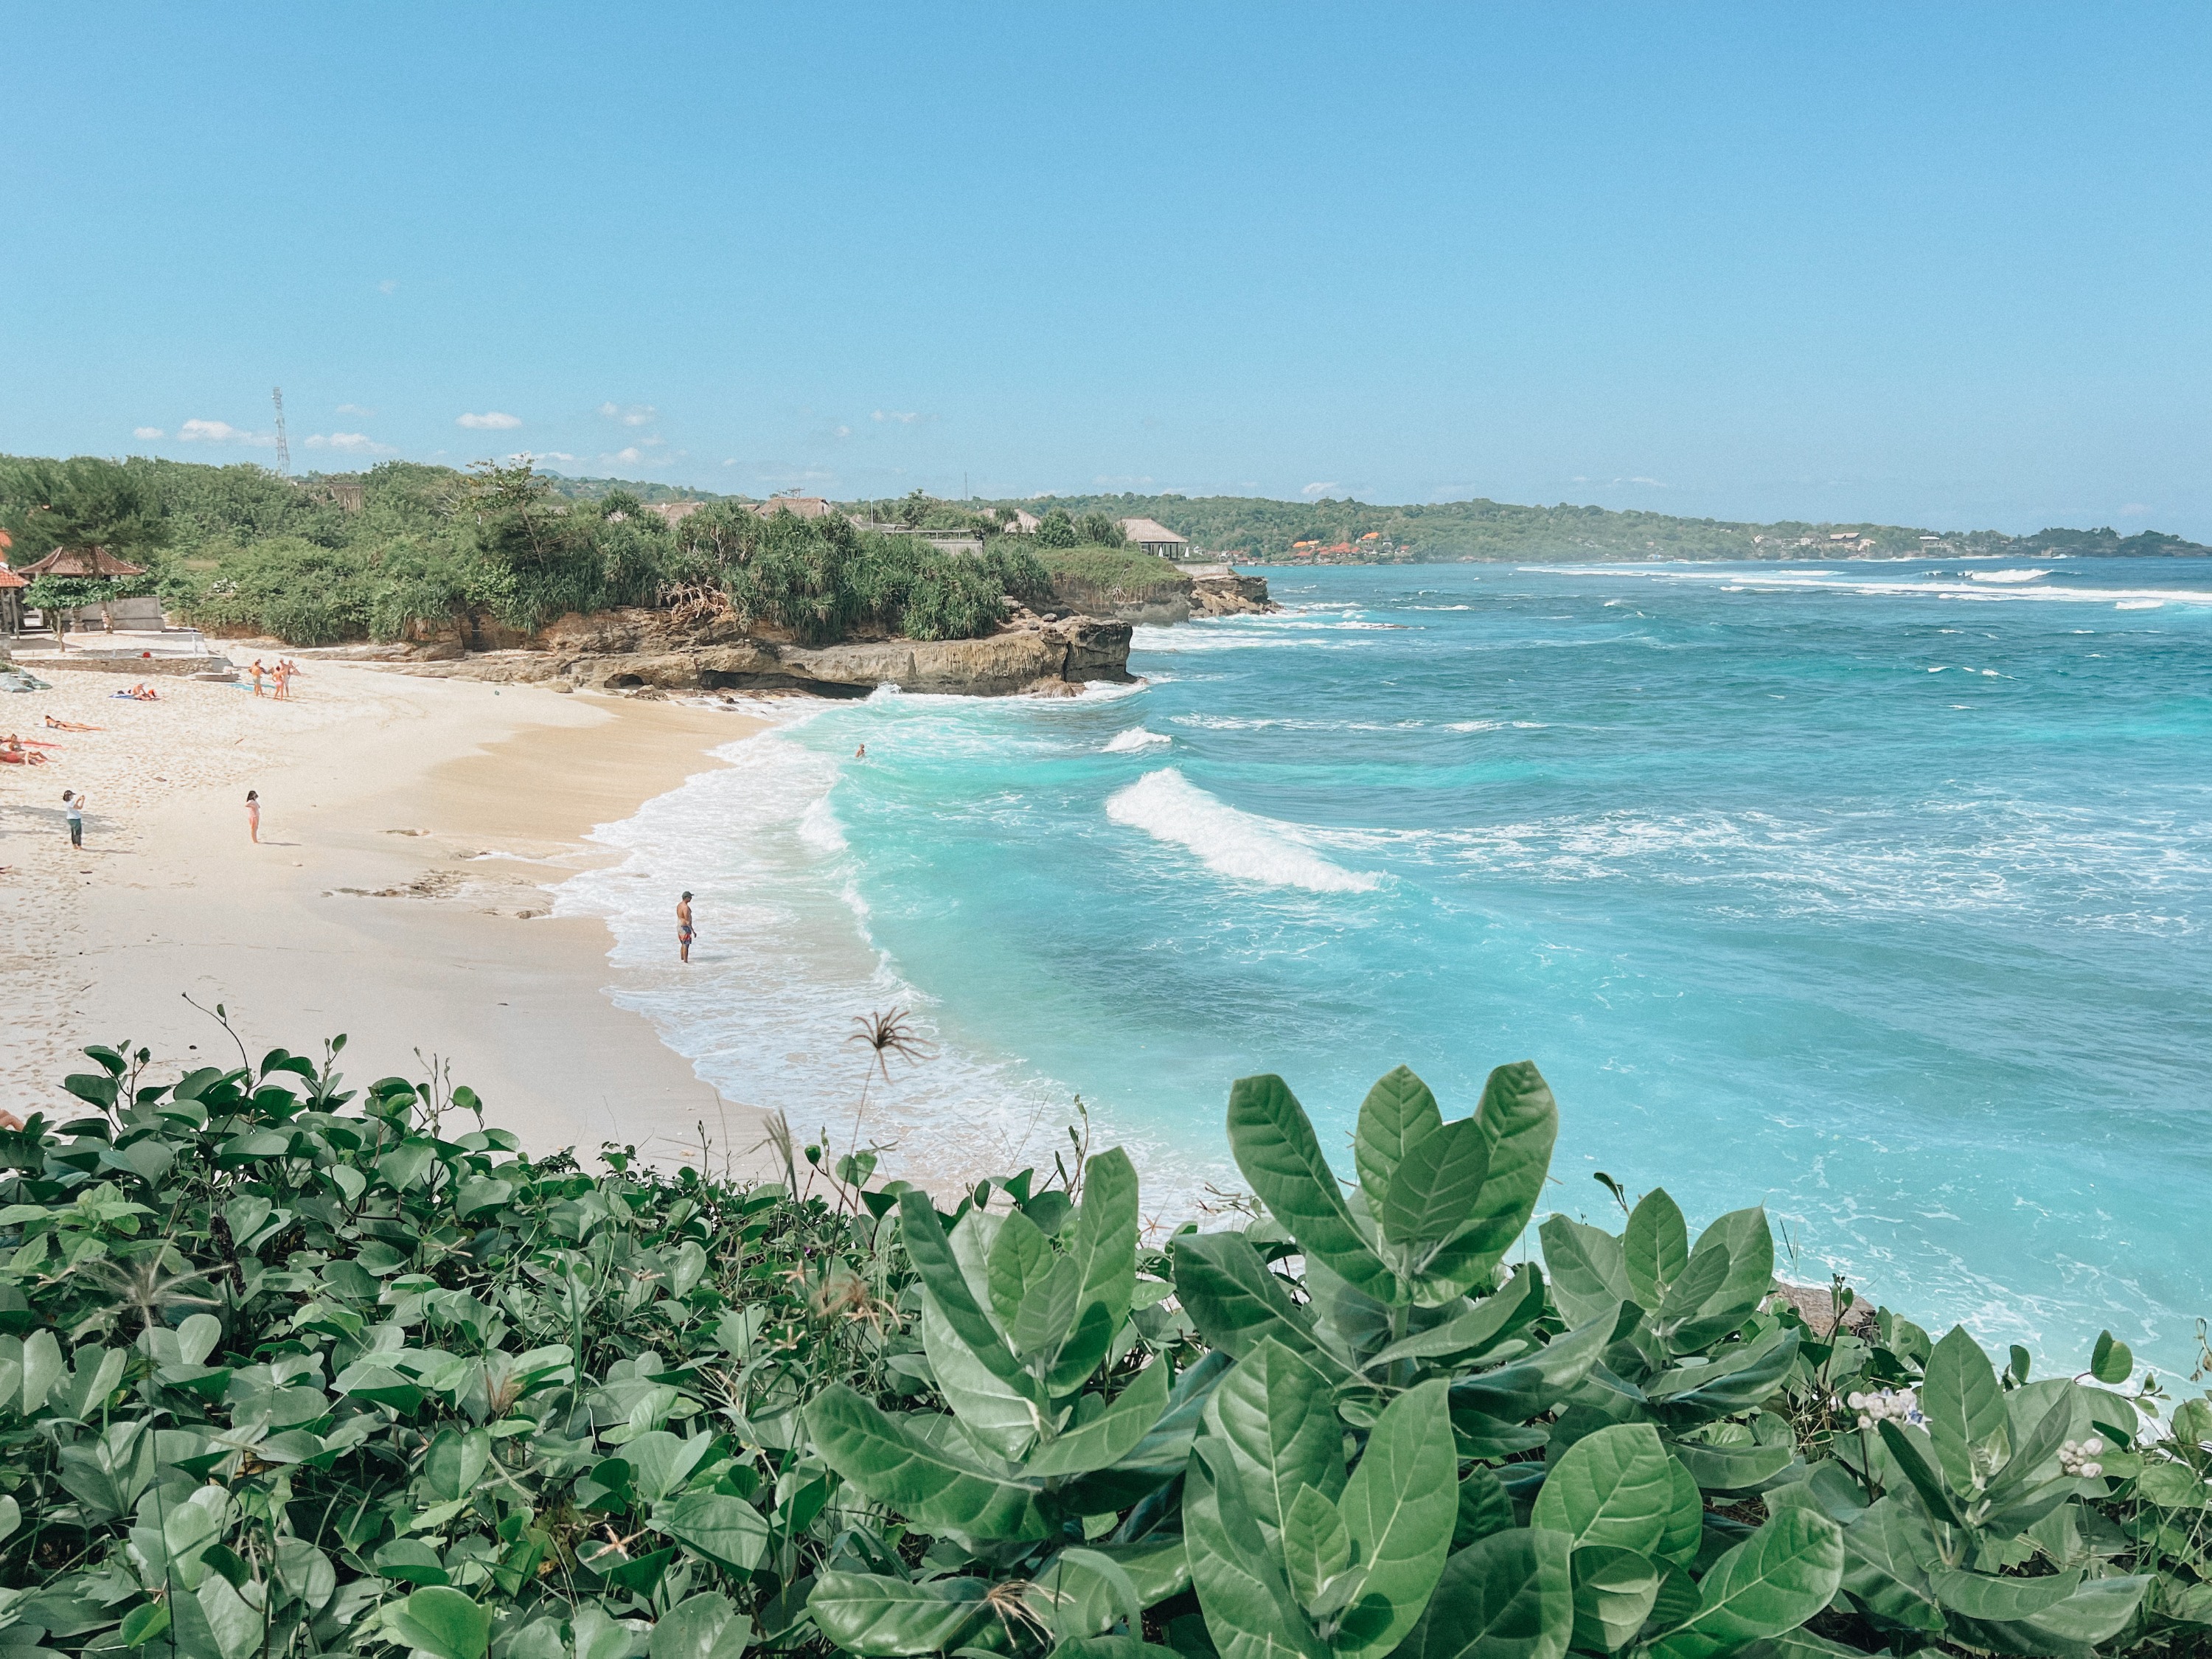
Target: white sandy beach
<point x="369" y="909"/>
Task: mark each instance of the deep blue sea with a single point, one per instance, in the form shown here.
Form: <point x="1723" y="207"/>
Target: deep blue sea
<point x="1876" y="892"/>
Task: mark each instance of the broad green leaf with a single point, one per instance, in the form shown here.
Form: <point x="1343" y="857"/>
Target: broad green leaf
<point x="1529" y="1388"/>
<point x="1088" y="1588"/>
<point x="1250" y="1612"/>
<point x="1984" y="1595"/>
<point x="1510" y="1595"/>
<point x="1772" y="1581"/>
<point x="1737" y="1465"/>
<point x="411" y="1561"/>
<point x="1233" y="1298"/>
<point x="1317" y="1546"/>
<point x="1112" y="1435"/>
<point x="1104" y="1248"/>
<point x="1520" y="1121"/>
<point x="1018" y="1260"/>
<point x="236" y="1627"/>
<point x="1274" y="1419"/>
<point x="1750" y="1244"/>
<point x="42" y="1369"/>
<point x="1615" y="1487"/>
<point x="1964" y="1404"/>
<point x="660" y="1462"/>
<point x="11" y="1515"/>
<point x="1656" y="1247"/>
<point x="2109" y="1361"/>
<point x="1481" y="1328"/>
<point x="1739" y="1377"/>
<point x="441" y="1620"/>
<point x="1400" y="1506"/>
<point x="143" y="1624"/>
<point x="2093" y="1615"/>
<point x="723" y="1528"/>
<point x="1685" y="1516"/>
<point x="1889" y="1551"/>
<point x="1046" y="1314"/>
<point x="1273" y="1144"/>
<point x="1700" y="1282"/>
<point x="705" y="1626"/>
<point x="1484" y="1507"/>
<point x="898" y="1468"/>
<point x="1434" y="1192"/>
<point x="1398" y="1112"/>
<point x="1587" y="1269"/>
<point x="1615" y="1592"/>
<point x="1005" y="1413"/>
<point x="455" y="1462"/>
<point x="943" y="1279"/>
<point x="872" y="1614"/>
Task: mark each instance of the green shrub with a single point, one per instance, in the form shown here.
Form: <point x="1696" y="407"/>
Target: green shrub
<point x="289" y="1371"/>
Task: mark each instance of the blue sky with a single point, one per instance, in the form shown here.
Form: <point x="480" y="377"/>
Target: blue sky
<point x="1941" y="266"/>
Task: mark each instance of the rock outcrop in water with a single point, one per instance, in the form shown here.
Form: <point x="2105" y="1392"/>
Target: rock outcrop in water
<point x="653" y="650"/>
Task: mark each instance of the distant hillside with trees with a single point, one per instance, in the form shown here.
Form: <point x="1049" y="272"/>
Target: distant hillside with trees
<point x="1253" y="528"/>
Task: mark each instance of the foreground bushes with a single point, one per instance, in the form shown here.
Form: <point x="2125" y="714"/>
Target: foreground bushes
<point x="286" y="1372"/>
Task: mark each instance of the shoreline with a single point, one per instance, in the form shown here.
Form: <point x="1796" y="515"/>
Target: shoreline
<point x="371" y="907"/>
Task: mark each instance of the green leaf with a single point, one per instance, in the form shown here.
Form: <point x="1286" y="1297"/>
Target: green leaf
<point x="1250" y="1612"/>
<point x="1750" y="1245"/>
<point x="1473" y="1333"/>
<point x="1588" y="1270"/>
<point x="1721" y="1466"/>
<point x="1510" y="1596"/>
<point x="1772" y="1581"/>
<point x="1317" y="1546"/>
<point x="872" y="1614"/>
<point x="412" y="1561"/>
<point x="143" y="1624"/>
<point x="236" y="1627"/>
<point x="1484" y="1507"/>
<point x="1615" y="1487"/>
<point x="1045" y="1315"/>
<point x="1701" y="1281"/>
<point x="1520" y="1120"/>
<point x="1398" y="1112"/>
<point x="2085" y="1620"/>
<point x="2111" y="1361"/>
<point x="1273" y="1144"/>
<point x="725" y="1530"/>
<point x="1020" y="1258"/>
<point x="1104" y="1247"/>
<point x="1615" y="1592"/>
<point x="1089" y="1589"/>
<point x="1003" y="1412"/>
<point x="1887" y="1552"/>
<point x="439" y="1620"/>
<point x="1529" y="1388"/>
<point x="1656" y="1247"/>
<point x="1400" y="1505"/>
<point x="1436" y="1185"/>
<point x="1982" y="1595"/>
<point x="1275" y="1421"/>
<point x="1685" y="1516"/>
<point x="1112" y="1435"/>
<point x="1739" y="1376"/>
<point x="943" y="1279"/>
<point x="1233" y="1298"/>
<point x="897" y="1467"/>
<point x="705" y="1626"/>
<point x="1964" y="1404"/>
<point x="455" y="1462"/>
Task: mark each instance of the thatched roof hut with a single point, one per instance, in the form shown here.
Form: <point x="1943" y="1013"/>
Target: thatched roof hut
<point x="82" y="562"/>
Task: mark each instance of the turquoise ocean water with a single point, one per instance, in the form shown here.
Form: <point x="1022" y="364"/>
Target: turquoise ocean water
<point x="1877" y="892"/>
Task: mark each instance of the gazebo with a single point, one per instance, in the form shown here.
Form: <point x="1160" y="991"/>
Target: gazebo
<point x="81" y="562"/>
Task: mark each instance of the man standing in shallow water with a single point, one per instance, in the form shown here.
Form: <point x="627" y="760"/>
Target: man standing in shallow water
<point x="683" y="928"/>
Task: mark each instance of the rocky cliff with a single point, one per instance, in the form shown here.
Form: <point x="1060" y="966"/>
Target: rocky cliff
<point x="641" y="650"/>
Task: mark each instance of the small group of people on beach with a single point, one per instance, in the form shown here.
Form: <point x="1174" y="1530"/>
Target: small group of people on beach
<point x="141" y="692"/>
<point x="279" y="677"/>
<point x="24" y="751"/>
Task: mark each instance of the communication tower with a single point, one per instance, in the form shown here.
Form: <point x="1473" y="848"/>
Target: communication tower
<point x="283" y="449"/>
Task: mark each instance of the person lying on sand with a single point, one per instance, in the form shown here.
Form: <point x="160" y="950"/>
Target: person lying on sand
<point x="141" y="692"/>
<point x="71" y="726"/>
<point x="15" y="754"/>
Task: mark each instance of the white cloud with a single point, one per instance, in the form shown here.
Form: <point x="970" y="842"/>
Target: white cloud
<point x="634" y="414"/>
<point x="350" y="443"/>
<point x="552" y="455"/>
<point x="904" y="417"/>
<point x="630" y="456"/>
<point x="147" y="432"/>
<point x="842" y="431"/>
<point x="222" y="431"/>
<point x="491" y="421"/>
<point x="1654" y="482"/>
<point x="354" y="409"/>
<point x="389" y="285"/>
<point x="1315" y="491"/>
<point x="2132" y="510"/>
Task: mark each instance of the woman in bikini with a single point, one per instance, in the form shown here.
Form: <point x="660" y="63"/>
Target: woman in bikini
<point x="253" y="815"/>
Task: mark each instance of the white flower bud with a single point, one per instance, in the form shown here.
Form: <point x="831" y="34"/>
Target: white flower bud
<point x="2091" y="1446"/>
<point x="1865" y="1422"/>
<point x="2092" y="1471"/>
<point x="1855" y="1401"/>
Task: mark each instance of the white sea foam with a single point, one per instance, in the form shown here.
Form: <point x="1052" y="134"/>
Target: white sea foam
<point x="2140" y="604"/>
<point x="2007" y="575"/>
<point x="1136" y="737"/>
<point x="1834" y="581"/>
<point x="1169" y="807"/>
<point x="1496" y="726"/>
